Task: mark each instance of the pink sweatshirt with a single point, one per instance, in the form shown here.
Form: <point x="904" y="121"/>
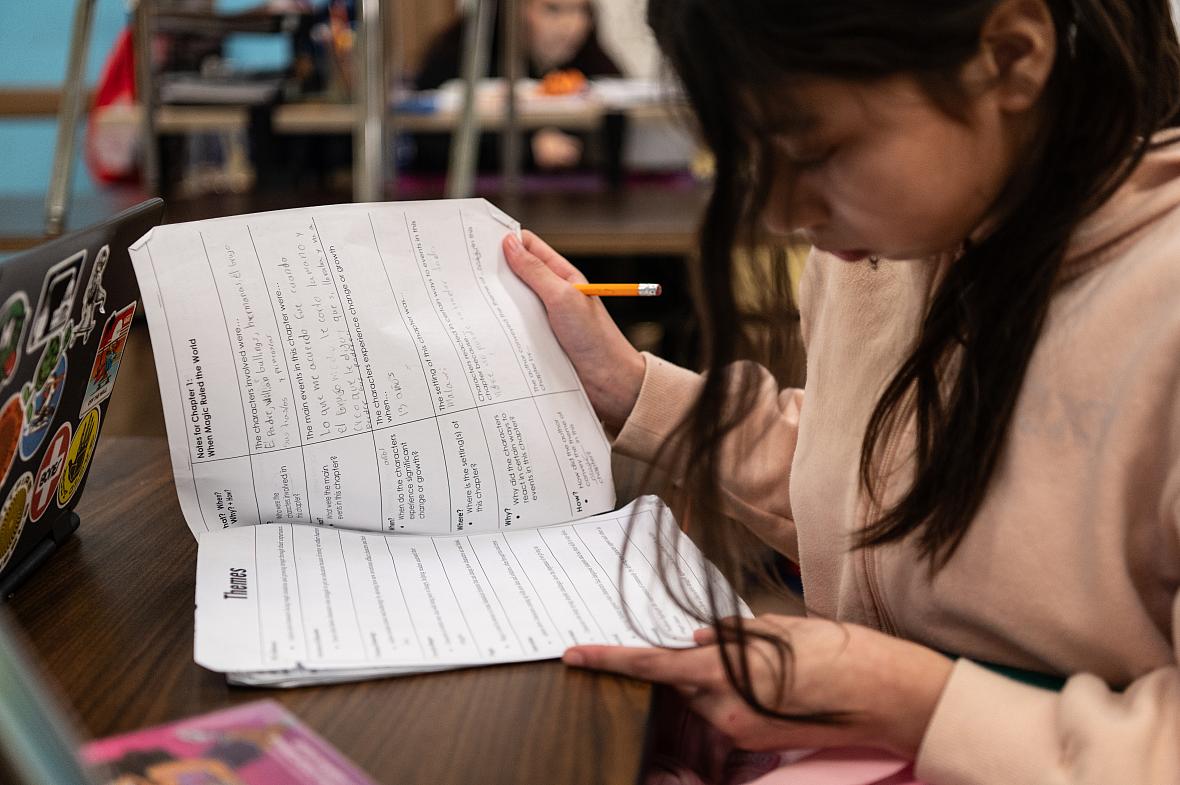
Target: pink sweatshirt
<point x="1072" y="566"/>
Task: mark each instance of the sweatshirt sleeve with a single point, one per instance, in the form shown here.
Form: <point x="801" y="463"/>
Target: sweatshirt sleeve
<point x="989" y="729"/>
<point x="756" y="457"/>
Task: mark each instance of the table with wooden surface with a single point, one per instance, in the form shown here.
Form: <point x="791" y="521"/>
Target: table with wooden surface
<point x="637" y="220"/>
<point x="110" y="619"/>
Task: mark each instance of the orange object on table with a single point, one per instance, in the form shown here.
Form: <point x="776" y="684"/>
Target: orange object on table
<point x="568" y="82"/>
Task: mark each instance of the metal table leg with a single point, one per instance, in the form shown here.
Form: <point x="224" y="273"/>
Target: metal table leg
<point x="370" y="143"/>
<point x="68" y="114"/>
<point x="465" y="140"/>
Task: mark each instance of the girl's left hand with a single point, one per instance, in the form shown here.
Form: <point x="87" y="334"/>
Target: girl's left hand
<point x="886" y="687"/>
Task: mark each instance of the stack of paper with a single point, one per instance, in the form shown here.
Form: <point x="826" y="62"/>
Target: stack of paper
<point x="283" y="604"/>
<point x="369" y="419"/>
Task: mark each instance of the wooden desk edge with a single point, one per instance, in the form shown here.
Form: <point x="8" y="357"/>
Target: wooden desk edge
<point x="118" y="641"/>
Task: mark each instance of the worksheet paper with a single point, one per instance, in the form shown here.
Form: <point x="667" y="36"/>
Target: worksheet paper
<point x="367" y="366"/>
<point x="285" y="604"/>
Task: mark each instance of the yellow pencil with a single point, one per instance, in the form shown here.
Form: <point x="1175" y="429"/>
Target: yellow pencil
<point x="619" y="289"/>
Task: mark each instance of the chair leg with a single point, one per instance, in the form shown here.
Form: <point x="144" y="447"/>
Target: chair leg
<point x="68" y="115"/>
<point x="465" y="141"/>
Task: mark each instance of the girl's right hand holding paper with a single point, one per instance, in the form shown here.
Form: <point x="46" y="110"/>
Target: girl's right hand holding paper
<point x="610" y="368"/>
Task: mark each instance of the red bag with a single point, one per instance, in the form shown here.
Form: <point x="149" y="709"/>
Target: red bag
<point x="115" y="127"/>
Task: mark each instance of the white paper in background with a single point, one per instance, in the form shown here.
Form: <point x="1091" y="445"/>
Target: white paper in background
<point x="368" y="366"/>
<point x="303" y="599"/>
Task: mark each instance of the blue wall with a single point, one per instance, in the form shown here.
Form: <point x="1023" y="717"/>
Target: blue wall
<point x="34" y="37"/>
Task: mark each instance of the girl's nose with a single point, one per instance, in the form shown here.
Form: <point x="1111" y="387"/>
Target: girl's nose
<point x="794" y="205"/>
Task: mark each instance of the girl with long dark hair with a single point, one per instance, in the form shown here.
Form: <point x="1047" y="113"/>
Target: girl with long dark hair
<point x="984" y="463"/>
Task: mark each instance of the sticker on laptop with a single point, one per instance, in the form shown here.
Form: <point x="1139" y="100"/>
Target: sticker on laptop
<point x="58" y="292"/>
<point x="109" y="356"/>
<point x="42" y="394"/>
<point x="94" y="299"/>
<point x="12" y="516"/>
<point x="48" y="475"/>
<point x="13" y="316"/>
<point x="41" y="406"/>
<point x="78" y="458"/>
<point x="12" y="422"/>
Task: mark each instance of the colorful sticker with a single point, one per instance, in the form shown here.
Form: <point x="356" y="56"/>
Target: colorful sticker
<point x="12" y="516"/>
<point x="93" y="299"/>
<point x="49" y="474"/>
<point x="12" y="422"/>
<point x="13" y="317"/>
<point x="78" y="458"/>
<point x="40" y="408"/>
<point x="55" y="349"/>
<point x="58" y="292"/>
<point x="109" y="356"/>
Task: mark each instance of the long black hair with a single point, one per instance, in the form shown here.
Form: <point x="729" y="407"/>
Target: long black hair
<point x="1115" y="82"/>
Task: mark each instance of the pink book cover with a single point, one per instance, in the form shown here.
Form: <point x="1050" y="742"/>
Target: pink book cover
<point x="837" y="766"/>
<point x="686" y="750"/>
<point x="258" y="743"/>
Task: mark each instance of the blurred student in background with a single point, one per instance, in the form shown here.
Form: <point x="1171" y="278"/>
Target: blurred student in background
<point x="556" y="36"/>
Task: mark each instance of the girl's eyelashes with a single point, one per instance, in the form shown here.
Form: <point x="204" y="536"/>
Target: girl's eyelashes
<point x="809" y="158"/>
<point x="804" y="155"/>
<point x="812" y="160"/>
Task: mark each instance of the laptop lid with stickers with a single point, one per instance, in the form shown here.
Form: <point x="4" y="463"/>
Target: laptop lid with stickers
<point x="66" y="313"/>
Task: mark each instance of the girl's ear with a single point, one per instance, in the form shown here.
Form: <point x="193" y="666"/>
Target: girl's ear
<point x="1018" y="45"/>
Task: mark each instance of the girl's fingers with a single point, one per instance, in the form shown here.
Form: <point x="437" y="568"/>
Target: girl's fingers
<point x="682" y="668"/>
<point x="536" y="274"/>
<point x="552" y="259"/>
<point x="779" y="626"/>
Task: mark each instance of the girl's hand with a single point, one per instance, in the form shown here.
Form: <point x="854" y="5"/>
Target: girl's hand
<point x="554" y="149"/>
<point x="610" y="368"/>
<point x="886" y="687"/>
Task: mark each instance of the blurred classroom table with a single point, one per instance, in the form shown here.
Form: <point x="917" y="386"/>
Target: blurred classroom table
<point x="645" y="219"/>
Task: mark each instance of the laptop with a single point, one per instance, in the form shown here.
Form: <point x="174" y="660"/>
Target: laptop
<point x="66" y="309"/>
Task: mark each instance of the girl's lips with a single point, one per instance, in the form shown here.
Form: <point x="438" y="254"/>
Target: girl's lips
<point x="850" y="256"/>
